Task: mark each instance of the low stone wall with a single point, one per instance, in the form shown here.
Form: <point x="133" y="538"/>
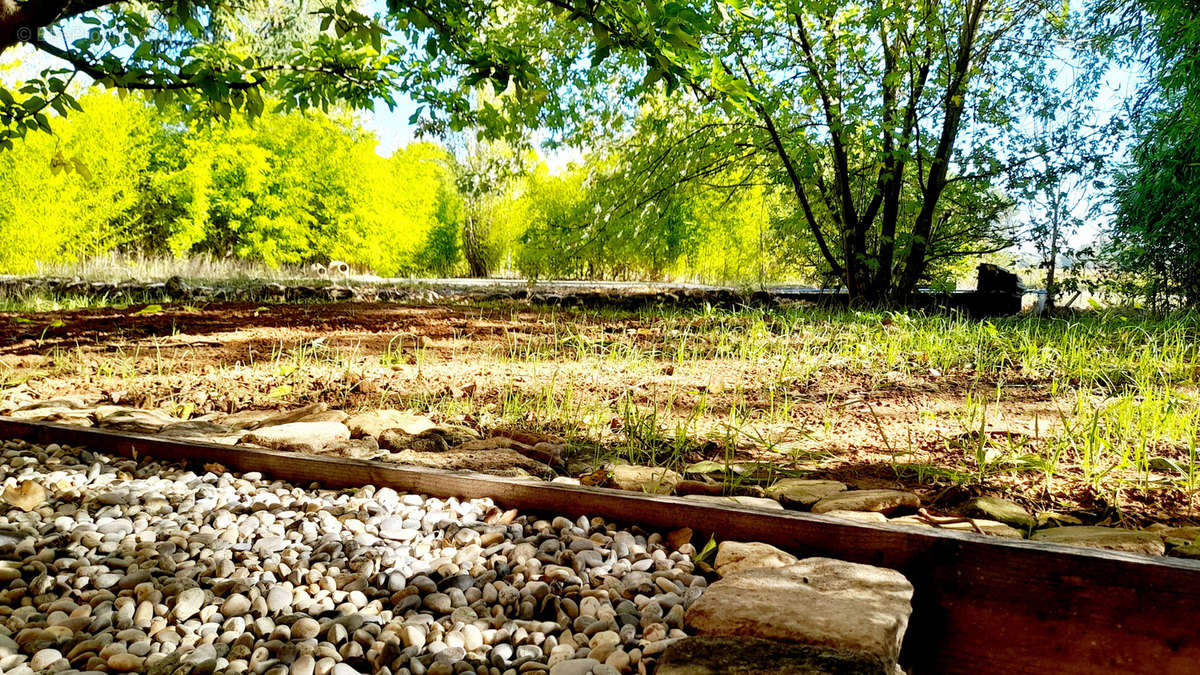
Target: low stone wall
<point x="630" y="296"/>
<point x="633" y="296"/>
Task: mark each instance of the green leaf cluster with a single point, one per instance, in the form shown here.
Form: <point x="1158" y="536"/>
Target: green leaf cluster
<point x="206" y="58"/>
<point x="293" y="188"/>
<point x="288" y="189"/>
<point x="1156" y="230"/>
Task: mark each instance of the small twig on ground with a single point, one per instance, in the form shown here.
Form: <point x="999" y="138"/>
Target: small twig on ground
<point x="938" y="521"/>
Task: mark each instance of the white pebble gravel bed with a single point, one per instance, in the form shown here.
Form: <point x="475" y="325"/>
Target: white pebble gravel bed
<point x="149" y="567"/>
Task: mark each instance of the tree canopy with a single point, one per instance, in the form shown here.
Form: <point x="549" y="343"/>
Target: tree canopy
<point x="295" y="188"/>
<point x="1156" y="231"/>
<point x="208" y="56"/>
<point x="892" y="123"/>
<point x="883" y="141"/>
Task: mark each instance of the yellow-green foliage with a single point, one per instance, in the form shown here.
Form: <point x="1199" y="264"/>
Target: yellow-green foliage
<point x="69" y="195"/>
<point x="287" y="189"/>
<point x="733" y="243"/>
<point x="421" y="230"/>
<point x="301" y="187"/>
<point x="693" y="232"/>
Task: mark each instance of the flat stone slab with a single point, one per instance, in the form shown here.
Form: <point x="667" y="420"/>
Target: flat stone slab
<point x="355" y="448"/>
<point x="310" y="437"/>
<point x="860" y="516"/>
<point x="818" y="601"/>
<point x="72" y="416"/>
<point x="756" y="502"/>
<point x="883" y="501"/>
<point x="397" y="440"/>
<point x="1111" y="538"/>
<point x="735" y="556"/>
<point x="803" y="492"/>
<point x="1181" y="536"/>
<point x="649" y="479"/>
<point x="375" y="422"/>
<point x="254" y="419"/>
<point x="497" y="462"/>
<point x="1003" y="510"/>
<point x="72" y="402"/>
<point x="708" y="655"/>
<point x="991" y="527"/>
<point x="199" y="430"/>
<point x="136" y="420"/>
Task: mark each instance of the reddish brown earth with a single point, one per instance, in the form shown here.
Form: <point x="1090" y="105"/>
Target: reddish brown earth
<point x="474" y="365"/>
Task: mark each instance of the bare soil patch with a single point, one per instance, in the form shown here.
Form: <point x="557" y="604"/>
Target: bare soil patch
<point x="612" y="383"/>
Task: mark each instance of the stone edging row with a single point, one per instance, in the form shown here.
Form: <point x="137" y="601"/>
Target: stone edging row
<point x="176" y="289"/>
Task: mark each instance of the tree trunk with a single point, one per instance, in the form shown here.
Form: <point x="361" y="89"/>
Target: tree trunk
<point x="473" y="250"/>
<point x="954" y="104"/>
<point x="922" y="231"/>
<point x="1052" y="264"/>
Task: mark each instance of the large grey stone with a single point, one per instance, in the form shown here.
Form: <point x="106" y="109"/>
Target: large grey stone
<point x="359" y="448"/>
<point x="375" y="422"/>
<point x="453" y="434"/>
<point x="1003" y="510"/>
<point x="1181" y="536"/>
<point x="803" y="491"/>
<point x="442" y="438"/>
<point x="201" y="430"/>
<point x="135" y="420"/>
<point x="649" y="479"/>
<point x="755" y="502"/>
<point x="254" y="419"/>
<point x="1111" y="538"/>
<point x="883" y="501"/>
<point x="59" y="415"/>
<point x="817" y="601"/>
<point x="860" y="516"/>
<point x="446" y="437"/>
<point x="735" y="556"/>
<point x="299" y="436"/>
<point x="497" y="462"/>
<point x="710" y="655"/>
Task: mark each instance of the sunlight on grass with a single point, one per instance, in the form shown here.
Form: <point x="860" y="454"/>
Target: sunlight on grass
<point x="1119" y="404"/>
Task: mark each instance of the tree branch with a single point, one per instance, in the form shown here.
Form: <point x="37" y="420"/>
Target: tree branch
<point x="126" y="80"/>
<point x="798" y="188"/>
<point x="20" y="20"/>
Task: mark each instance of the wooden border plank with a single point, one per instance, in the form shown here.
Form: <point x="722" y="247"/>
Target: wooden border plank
<point x="982" y="604"/>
